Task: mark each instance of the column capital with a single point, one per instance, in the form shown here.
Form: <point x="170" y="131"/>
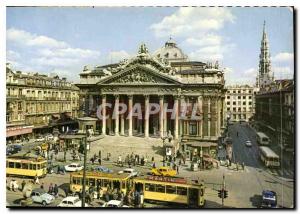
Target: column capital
<point x="147" y="96"/>
<point x="130" y="96"/>
<point x="103" y="96"/>
<point x="161" y="96"/>
<point x="117" y="96"/>
<point x="176" y="97"/>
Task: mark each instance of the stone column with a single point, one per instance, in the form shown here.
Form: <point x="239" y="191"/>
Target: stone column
<point x="104" y="115"/>
<point x="209" y="116"/>
<point x="200" y="106"/>
<point x="165" y="118"/>
<point x="130" y="101"/>
<point x="161" y="115"/>
<point x="122" y="124"/>
<point x="217" y="116"/>
<point x="176" y="117"/>
<point x="116" y="109"/>
<point x="146" y="119"/>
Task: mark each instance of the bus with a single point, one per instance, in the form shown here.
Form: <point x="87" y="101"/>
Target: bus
<point x="171" y="190"/>
<point x="26" y="166"/>
<point x="100" y="181"/>
<point x="268" y="157"/>
<point x="262" y="139"/>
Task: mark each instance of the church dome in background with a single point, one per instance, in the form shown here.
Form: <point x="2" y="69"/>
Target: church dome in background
<point x="170" y="52"/>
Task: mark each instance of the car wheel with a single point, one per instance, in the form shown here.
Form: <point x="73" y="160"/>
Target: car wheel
<point x="44" y="203"/>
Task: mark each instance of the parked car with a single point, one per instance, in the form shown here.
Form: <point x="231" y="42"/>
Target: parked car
<point x="114" y="204"/>
<point x="163" y="171"/>
<point x="73" y="167"/>
<point x="40" y="196"/>
<point x="102" y="169"/>
<point x="39" y="139"/>
<point x="248" y="143"/>
<point x="269" y="199"/>
<point x="71" y="201"/>
<point x="131" y="172"/>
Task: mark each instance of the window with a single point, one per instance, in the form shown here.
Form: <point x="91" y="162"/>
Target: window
<point x="11" y="165"/>
<point x="150" y="187"/>
<point x="244" y="97"/>
<point x="228" y="103"/>
<point x="24" y="165"/>
<point x="193" y="129"/>
<point x="228" y="97"/>
<point x="234" y="108"/>
<point x="233" y="91"/>
<point x="250" y="97"/>
<point x="239" y="92"/>
<point x="244" y="103"/>
<point x="160" y="188"/>
<point x="239" y="97"/>
<point x="250" y="103"/>
<point x="181" y="190"/>
<point x="18" y="165"/>
<point x="171" y="189"/>
<point x="91" y="182"/>
<point x="106" y="182"/>
<point x="234" y="103"/>
<point x="239" y="109"/>
<point x="228" y="109"/>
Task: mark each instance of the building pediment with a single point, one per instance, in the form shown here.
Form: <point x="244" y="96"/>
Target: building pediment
<point x="139" y="74"/>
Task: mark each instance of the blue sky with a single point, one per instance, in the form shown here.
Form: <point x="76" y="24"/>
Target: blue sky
<point x="64" y="39"/>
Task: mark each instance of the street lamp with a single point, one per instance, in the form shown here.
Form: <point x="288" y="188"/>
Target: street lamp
<point x="84" y="170"/>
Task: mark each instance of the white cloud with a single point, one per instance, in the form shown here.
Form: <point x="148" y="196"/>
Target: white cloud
<point x="117" y="56"/>
<point x="284" y="72"/>
<point x="251" y="72"/>
<point x="283" y="57"/>
<point x="25" y="38"/>
<point x="234" y="77"/>
<point x="190" y="20"/>
<point x="44" y="54"/>
<point x="208" y="39"/>
<point x="211" y="53"/>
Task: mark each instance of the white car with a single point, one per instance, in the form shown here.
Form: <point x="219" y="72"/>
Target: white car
<point x="73" y="167"/>
<point x="129" y="171"/>
<point x="39" y="195"/>
<point x="40" y="139"/>
<point x="114" y="204"/>
<point x="71" y="201"/>
<point x="248" y="143"/>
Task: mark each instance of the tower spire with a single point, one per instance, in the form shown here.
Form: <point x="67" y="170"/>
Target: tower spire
<point x="265" y="75"/>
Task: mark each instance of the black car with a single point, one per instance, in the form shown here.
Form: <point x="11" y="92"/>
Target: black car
<point x="13" y="149"/>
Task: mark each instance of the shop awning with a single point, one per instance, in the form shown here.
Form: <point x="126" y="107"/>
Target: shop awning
<point x="201" y="144"/>
<point x="15" y="131"/>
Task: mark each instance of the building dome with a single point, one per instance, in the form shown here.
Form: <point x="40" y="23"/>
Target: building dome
<point x="170" y="52"/>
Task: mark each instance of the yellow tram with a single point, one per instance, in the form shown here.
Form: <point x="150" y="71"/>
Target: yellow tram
<point x="99" y="180"/>
<point x="171" y="189"/>
<point x="26" y="166"/>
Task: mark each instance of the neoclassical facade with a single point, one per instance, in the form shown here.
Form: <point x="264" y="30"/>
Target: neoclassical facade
<point x="166" y="78"/>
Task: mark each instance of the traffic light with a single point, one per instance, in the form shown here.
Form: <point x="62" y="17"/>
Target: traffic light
<point x="220" y="193"/>
<point x="225" y="193"/>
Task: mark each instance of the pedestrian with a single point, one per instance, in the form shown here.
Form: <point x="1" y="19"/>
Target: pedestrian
<point x="13" y="185"/>
<point x="36" y="180"/>
<point x="237" y="134"/>
<point x="50" y="190"/>
<point x="95" y="156"/>
<point x="237" y="166"/>
<point x="99" y="153"/>
<point x="152" y="159"/>
<point x="243" y="166"/>
<point x="92" y="160"/>
<point x="153" y="165"/>
<point x="99" y="161"/>
<point x="163" y="162"/>
<point x="42" y="186"/>
<point x="23" y="185"/>
<point x="119" y="160"/>
<point x="177" y="169"/>
<point x="179" y="162"/>
<point x="55" y="190"/>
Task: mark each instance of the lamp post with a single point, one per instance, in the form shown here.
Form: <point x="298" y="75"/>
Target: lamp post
<point x="84" y="170"/>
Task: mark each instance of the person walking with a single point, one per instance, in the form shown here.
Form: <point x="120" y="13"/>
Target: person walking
<point x="50" y="190"/>
<point x="23" y="185"/>
<point x="243" y="166"/>
<point x="42" y="186"/>
<point x="55" y="190"/>
<point x="36" y="180"/>
<point x="99" y="161"/>
<point x="177" y="169"/>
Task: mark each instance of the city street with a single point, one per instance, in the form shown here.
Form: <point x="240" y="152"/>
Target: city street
<point x="244" y="186"/>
